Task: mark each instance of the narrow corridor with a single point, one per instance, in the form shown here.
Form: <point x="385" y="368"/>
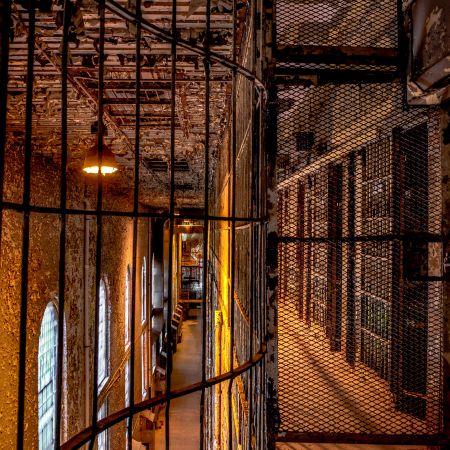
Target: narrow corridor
<point x="185" y="411"/>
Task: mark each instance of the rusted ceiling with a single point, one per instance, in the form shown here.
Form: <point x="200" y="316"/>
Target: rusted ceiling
<point x="120" y="89"/>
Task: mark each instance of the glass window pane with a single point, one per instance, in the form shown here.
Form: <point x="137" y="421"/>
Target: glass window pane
<point x="103" y="337"/>
<point x="47" y="359"/>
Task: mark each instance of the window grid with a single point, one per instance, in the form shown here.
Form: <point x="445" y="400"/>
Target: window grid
<point x="127" y="308"/>
<point x="47" y="378"/>
<point x="144" y="291"/>
<point x="144" y="362"/>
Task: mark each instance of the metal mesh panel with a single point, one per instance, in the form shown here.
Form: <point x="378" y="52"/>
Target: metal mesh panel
<point x="360" y="307"/>
<point x="327" y="22"/>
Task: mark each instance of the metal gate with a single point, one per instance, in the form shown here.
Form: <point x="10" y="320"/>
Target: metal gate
<point x="173" y="91"/>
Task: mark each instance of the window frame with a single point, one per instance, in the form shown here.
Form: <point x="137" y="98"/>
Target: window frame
<point x="144" y="291"/>
<point x="127" y="308"/>
<point x="104" y="435"/>
<point x="49" y="415"/>
<point x="144" y="363"/>
<point x="101" y="382"/>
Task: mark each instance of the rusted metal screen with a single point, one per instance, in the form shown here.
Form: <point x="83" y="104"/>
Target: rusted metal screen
<point x="327" y="22"/>
<point x="360" y="304"/>
<point x="359" y="313"/>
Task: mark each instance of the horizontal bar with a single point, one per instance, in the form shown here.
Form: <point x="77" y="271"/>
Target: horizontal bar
<point x="293" y="75"/>
<point x="83" y="436"/>
<point x="329" y="54"/>
<point x="417" y="237"/>
<point x="19" y="207"/>
<point x="132" y="101"/>
<point x="362" y="438"/>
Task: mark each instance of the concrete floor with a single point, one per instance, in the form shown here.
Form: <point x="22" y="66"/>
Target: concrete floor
<point x="185" y="412"/>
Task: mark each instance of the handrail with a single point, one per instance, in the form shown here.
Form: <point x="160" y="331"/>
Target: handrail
<point x="84" y="436"/>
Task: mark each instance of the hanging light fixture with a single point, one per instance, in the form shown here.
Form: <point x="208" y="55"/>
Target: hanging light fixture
<point x="91" y="161"/>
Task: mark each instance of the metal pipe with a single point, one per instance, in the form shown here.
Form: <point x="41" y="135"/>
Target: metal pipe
<point x="110" y="213"/>
<point x="205" y="220"/>
<point x="232" y="190"/>
<point x="125" y="14"/>
<point x="171" y="219"/>
<point x="135" y="223"/>
<point x="98" y="249"/>
<point x="63" y="230"/>
<point x="26" y="229"/>
<point x="85" y="435"/>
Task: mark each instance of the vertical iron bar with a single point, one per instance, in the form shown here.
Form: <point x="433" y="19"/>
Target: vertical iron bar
<point x="135" y="220"/>
<point x="63" y="205"/>
<point x="396" y="276"/>
<point x="98" y="252"/>
<point x="350" y="353"/>
<point x="233" y="227"/>
<point x="151" y="223"/>
<point x="261" y="267"/>
<point x="26" y="225"/>
<point x="5" y="15"/>
<point x="403" y="51"/>
<point x="205" y="220"/>
<point x="171" y="219"/>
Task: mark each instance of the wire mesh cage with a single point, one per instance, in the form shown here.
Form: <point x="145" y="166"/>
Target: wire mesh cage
<point x="360" y="304"/>
<point x="353" y="23"/>
<point x="360" y="315"/>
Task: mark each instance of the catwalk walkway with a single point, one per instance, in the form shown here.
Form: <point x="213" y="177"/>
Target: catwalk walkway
<point x="185" y="411"/>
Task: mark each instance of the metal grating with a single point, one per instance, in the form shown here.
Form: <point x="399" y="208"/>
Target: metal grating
<point x="360" y="302"/>
<point x="352" y="23"/>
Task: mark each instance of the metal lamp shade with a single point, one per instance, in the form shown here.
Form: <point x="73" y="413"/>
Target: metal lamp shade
<point x="108" y="164"/>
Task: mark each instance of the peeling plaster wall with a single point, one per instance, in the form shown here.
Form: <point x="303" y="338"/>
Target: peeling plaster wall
<point x="42" y="289"/>
<point x="117" y="254"/>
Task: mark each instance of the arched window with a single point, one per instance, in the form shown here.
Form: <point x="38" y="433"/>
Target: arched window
<point x="47" y="360"/>
<point x="127" y="307"/>
<point x="153" y="275"/>
<point x="144" y="290"/>
<point x="103" y="337"/>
